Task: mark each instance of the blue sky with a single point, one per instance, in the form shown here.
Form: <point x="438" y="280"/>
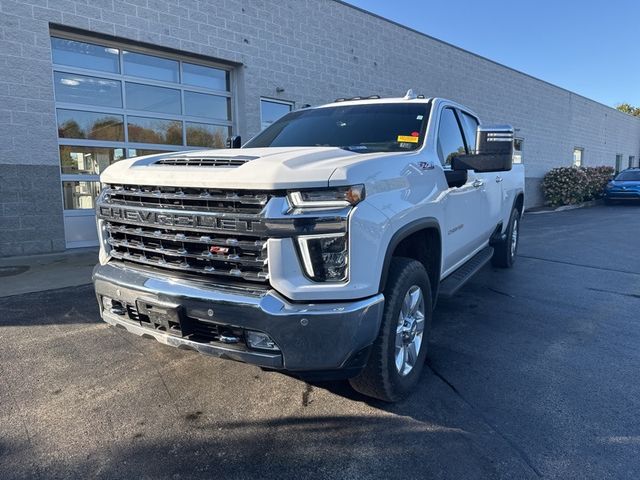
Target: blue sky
<point x="589" y="47"/>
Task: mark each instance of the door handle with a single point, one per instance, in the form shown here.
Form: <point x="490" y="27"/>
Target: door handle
<point x="477" y="183"/>
<point x="498" y="179"/>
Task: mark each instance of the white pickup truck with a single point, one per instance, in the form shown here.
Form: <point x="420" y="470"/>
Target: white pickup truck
<point x="318" y="248"/>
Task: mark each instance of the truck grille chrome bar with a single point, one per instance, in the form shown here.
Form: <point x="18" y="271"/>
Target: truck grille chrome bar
<point x="197" y="199"/>
<point x="212" y="232"/>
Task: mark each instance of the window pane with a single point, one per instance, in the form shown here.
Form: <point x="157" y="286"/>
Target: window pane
<point x="152" y="99"/>
<point x="148" y="66"/>
<point x="577" y="157"/>
<point x="94" y="126"/>
<point x="206" y="77"/>
<point x="518" y="144"/>
<point x="272" y="111"/>
<point x="205" y="135"/>
<point x="88" y="160"/>
<point x="78" y="195"/>
<point x="85" y="55"/>
<point x="203" y="105"/>
<point x="154" y="130"/>
<point x="140" y="152"/>
<point x="450" y="141"/>
<point x="73" y="88"/>
<point x="470" y="127"/>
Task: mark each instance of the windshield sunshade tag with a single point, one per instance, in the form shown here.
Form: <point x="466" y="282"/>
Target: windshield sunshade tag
<point x="407" y="139"/>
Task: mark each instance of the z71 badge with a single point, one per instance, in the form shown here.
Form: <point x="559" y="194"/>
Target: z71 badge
<point x="426" y="165"/>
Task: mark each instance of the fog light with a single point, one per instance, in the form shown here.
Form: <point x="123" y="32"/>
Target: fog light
<point x="260" y="340"/>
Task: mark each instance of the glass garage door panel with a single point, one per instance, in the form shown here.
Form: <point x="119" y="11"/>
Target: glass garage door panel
<point x="90" y="125"/>
<point x="88" y="160"/>
<point x="82" y="89"/>
<point x="153" y="99"/>
<point x="85" y="55"/>
<point x="149" y="66"/>
<point x="206" y="135"/>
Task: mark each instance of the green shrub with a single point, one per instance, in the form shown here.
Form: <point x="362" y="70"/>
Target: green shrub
<point x="570" y="185"/>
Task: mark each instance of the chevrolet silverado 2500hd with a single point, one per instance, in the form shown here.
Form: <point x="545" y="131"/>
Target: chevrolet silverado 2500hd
<point x="320" y="246"/>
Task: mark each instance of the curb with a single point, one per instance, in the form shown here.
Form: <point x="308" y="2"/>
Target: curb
<point x="564" y="208"/>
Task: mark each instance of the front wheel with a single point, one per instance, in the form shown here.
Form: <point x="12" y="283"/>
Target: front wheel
<point x="398" y="354"/>
<point x="504" y="254"/>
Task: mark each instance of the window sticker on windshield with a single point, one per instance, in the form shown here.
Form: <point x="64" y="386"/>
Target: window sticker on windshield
<point x="407" y="139"/>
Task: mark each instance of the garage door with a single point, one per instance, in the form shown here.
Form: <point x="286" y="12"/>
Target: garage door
<point x="114" y="101"/>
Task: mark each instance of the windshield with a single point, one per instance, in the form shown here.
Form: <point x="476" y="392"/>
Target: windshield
<point x="379" y="127"/>
<point x="629" y="176"/>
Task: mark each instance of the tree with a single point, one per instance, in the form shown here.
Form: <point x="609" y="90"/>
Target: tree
<point x="629" y="109"/>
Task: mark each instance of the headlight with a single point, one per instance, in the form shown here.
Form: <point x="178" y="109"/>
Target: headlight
<point x="328" y="198"/>
<point x="325" y="257"/>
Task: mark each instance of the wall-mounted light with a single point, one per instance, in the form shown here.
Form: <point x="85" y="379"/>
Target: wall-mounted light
<point x="279" y="89"/>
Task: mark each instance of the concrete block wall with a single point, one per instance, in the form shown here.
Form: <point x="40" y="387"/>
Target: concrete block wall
<point x="315" y="50"/>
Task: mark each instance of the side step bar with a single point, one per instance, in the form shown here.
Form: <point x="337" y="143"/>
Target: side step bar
<point x="450" y="285"/>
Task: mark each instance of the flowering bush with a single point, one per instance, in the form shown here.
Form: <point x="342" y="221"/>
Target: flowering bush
<point x="569" y="185"/>
<point x="598" y="178"/>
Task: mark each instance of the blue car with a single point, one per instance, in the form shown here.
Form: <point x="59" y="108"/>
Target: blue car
<point x="625" y="186"/>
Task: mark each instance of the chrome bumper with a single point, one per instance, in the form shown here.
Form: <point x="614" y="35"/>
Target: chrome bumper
<point x="310" y="337"/>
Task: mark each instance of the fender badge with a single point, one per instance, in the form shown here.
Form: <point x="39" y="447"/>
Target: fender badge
<point x="426" y="165"/>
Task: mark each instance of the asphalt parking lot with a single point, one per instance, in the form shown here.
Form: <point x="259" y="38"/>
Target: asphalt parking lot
<point x="533" y="372"/>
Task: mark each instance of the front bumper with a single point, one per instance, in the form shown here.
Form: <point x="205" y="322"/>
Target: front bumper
<point x="310" y="337"/>
<point x="622" y="194"/>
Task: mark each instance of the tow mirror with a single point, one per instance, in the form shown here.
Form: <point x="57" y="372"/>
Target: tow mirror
<point x="234" y="142"/>
<point x="494" y="151"/>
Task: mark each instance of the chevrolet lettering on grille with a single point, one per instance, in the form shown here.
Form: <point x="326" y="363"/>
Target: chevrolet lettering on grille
<point x="193" y="220"/>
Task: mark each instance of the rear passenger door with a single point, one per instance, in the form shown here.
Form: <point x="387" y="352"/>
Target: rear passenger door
<point x="464" y="203"/>
<point x="492" y="182"/>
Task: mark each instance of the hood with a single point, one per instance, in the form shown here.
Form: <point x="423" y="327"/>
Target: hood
<point x="271" y="168"/>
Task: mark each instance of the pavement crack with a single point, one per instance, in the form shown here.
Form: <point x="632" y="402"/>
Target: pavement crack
<point x="305" y="395"/>
<point x="499" y="292"/>
<point x="521" y="453"/>
<point x="561" y="262"/>
<point x="630" y="295"/>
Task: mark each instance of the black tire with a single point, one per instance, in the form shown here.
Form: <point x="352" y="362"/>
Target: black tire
<point x="381" y="378"/>
<point x="504" y="252"/>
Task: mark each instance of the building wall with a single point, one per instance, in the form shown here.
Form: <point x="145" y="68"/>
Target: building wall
<point x="315" y="50"/>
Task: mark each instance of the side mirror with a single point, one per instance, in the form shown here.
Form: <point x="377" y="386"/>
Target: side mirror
<point x="234" y="142"/>
<point x="494" y="151"/>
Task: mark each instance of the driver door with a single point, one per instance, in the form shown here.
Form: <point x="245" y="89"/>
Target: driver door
<point x="465" y="200"/>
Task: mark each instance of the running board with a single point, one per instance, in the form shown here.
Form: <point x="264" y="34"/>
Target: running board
<point x="450" y="285"/>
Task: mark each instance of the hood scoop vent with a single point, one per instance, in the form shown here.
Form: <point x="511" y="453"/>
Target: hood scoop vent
<point x="235" y="161"/>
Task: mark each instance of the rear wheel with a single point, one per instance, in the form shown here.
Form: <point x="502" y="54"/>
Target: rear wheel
<point x="398" y="354"/>
<point x="504" y="254"/>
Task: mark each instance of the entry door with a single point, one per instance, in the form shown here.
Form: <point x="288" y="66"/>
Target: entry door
<point x="492" y="181"/>
<point x="464" y="205"/>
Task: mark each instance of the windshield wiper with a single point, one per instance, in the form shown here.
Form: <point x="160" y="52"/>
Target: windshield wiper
<point x="354" y="148"/>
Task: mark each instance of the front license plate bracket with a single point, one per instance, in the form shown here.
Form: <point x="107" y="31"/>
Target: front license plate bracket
<point x="161" y="315"/>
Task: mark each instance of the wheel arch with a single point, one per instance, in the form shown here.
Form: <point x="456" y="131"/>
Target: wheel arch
<point x="519" y="202"/>
<point x="406" y="242"/>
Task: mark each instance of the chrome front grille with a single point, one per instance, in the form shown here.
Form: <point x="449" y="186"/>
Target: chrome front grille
<point x="203" y="231"/>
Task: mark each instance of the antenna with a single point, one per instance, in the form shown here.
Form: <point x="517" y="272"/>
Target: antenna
<point x="410" y="95"/>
